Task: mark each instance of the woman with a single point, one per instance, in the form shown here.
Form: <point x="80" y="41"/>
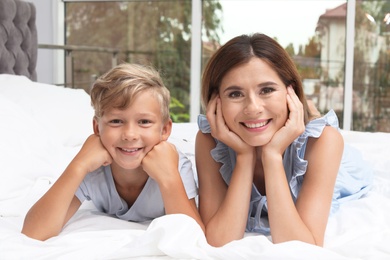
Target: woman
<point x="265" y="162"/>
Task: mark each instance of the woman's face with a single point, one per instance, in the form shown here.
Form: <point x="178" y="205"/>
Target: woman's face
<point x="254" y="101"/>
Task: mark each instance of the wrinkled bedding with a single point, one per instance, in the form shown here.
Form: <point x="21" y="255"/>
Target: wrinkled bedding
<point x="43" y="127"/>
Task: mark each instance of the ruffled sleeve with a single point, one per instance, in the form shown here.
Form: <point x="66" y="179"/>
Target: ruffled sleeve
<point x="353" y="179"/>
<point x="227" y="157"/>
<point x="221" y="153"/>
<point x="294" y="163"/>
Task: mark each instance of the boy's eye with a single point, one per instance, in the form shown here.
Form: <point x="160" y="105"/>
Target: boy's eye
<point x="115" y="121"/>
<point x="144" y="121"/>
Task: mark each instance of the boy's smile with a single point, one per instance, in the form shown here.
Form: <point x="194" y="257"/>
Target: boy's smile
<point x="129" y="134"/>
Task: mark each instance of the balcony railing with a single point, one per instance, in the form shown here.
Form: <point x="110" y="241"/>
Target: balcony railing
<point x="69" y="62"/>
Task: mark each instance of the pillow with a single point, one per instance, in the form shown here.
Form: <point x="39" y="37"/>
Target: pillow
<point x="183" y="137"/>
<point x="64" y="112"/>
<point x="26" y="152"/>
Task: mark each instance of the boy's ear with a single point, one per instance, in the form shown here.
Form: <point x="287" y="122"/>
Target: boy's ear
<point x="167" y="129"/>
<point x="95" y="125"/>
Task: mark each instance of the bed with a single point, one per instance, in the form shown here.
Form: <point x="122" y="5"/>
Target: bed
<point x="43" y="126"/>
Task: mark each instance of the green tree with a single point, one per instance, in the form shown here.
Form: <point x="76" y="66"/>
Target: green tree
<point x="307" y="59"/>
<point x="290" y="49"/>
<point x="156" y="33"/>
<point x="312" y="48"/>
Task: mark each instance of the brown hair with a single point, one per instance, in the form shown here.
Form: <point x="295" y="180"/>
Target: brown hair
<point x="240" y="50"/>
<point x="118" y="87"/>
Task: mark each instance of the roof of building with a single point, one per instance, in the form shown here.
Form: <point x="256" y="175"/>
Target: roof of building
<point x="337" y="12"/>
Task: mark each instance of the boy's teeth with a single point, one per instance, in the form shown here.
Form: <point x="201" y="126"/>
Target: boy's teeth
<point x="132" y="150"/>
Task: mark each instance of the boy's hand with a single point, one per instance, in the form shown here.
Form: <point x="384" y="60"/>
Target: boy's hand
<point x="162" y="161"/>
<point x="92" y="155"/>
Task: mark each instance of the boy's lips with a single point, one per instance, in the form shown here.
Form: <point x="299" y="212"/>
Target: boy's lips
<point x="129" y="150"/>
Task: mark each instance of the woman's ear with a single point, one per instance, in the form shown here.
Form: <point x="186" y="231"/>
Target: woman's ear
<point x="167" y="129"/>
<point x="95" y="125"/>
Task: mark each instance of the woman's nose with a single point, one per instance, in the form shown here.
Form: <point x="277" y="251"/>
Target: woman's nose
<point x="253" y="106"/>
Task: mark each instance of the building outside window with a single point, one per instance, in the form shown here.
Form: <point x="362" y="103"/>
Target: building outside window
<point x="313" y="32"/>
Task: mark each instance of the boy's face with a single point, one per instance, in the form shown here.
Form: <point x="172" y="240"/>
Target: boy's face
<point x="128" y="135"/>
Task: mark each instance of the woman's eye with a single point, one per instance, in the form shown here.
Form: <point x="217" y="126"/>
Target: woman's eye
<point x="266" y="91"/>
<point x="235" y="94"/>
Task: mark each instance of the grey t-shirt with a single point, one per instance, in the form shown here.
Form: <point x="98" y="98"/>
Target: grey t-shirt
<point x="99" y="187"/>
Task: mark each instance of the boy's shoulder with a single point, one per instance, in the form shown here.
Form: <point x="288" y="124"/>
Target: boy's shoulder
<point x="101" y="174"/>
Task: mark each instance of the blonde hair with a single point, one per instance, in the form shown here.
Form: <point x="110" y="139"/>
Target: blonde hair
<point x="118" y="87"/>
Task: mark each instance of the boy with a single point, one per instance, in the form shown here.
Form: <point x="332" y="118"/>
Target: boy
<point x="127" y="167"/>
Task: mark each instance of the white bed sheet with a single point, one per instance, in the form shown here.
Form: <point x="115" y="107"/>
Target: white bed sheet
<point x="42" y="128"/>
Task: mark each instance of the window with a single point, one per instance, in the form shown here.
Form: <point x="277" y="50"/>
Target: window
<point x="313" y="32"/>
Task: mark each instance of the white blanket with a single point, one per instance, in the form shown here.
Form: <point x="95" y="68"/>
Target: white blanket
<point x="42" y="128"/>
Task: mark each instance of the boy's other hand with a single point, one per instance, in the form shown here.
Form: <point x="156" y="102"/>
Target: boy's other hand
<point x="162" y="161"/>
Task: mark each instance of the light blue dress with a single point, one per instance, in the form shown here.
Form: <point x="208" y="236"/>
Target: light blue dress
<point x="99" y="187"/>
<point x="353" y="181"/>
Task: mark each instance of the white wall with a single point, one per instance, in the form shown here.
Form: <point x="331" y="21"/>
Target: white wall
<point x="50" y="26"/>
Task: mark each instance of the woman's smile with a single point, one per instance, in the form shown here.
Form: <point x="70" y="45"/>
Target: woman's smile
<point x="256" y="124"/>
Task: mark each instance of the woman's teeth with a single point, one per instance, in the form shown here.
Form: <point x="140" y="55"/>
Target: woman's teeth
<point x="256" y="125"/>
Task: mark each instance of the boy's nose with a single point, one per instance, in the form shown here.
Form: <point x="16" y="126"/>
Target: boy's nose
<point x="130" y="133"/>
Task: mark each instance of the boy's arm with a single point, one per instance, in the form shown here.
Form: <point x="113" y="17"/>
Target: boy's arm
<point x="50" y="213"/>
<point x="161" y="164"/>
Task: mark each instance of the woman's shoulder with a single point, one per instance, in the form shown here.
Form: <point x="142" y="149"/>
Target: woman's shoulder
<point x="316" y="126"/>
<point x="203" y="124"/>
<point x="203" y="136"/>
<point x="220" y="152"/>
<point x="329" y="143"/>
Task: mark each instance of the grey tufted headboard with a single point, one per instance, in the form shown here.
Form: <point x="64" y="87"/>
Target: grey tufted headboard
<point x="18" y="38"/>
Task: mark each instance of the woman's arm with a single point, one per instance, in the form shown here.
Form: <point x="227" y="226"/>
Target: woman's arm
<point x="49" y="214"/>
<point x="315" y="198"/>
<point x="306" y="220"/>
<point x="224" y="209"/>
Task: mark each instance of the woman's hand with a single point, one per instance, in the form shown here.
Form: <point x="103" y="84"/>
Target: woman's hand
<point x="221" y="131"/>
<point x="293" y="127"/>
